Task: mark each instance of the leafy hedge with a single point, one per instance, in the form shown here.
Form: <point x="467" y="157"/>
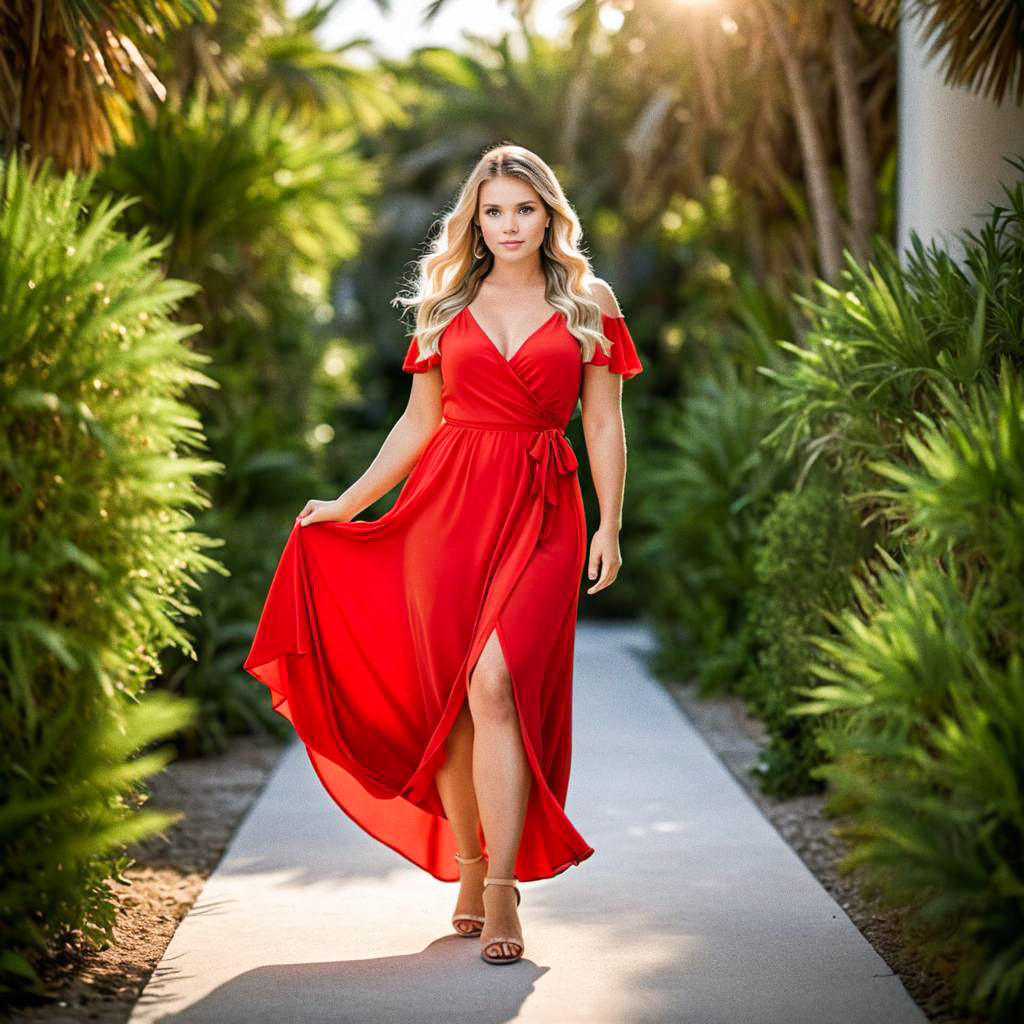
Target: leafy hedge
<point x="927" y="676"/>
<point x="804" y="550"/>
<point x="704" y="484"/>
<point x="259" y="208"/>
<point x="852" y="533"/>
<point x="99" y="458"/>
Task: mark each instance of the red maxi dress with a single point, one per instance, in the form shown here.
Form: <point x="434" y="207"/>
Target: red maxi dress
<point x="371" y="629"/>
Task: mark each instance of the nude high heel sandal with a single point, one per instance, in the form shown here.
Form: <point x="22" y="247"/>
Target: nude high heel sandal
<point x="502" y="938"/>
<point x="468" y="917"/>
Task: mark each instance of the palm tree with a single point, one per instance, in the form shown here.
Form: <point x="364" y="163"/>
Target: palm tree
<point x="70" y="73"/>
<point x="981" y="44"/>
<point x="811" y="138"/>
<point x="259" y="49"/>
<point x="817" y="51"/>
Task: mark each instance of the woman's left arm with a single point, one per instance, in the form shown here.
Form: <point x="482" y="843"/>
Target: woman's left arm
<point x="605" y="436"/>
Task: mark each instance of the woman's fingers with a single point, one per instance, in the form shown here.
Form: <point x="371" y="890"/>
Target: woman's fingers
<point x="309" y="507"/>
<point x="317" y="511"/>
<point x="605" y="563"/>
<point x="598" y="564"/>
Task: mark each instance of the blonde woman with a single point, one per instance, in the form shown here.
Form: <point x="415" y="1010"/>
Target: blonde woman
<point x="425" y="658"/>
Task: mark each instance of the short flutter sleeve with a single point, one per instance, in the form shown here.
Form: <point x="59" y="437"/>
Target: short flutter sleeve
<point x="413" y="363"/>
<point x="624" y="358"/>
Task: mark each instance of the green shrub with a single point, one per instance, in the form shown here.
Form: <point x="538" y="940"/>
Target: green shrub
<point x="705" y="482"/>
<point x="806" y="548"/>
<point x="882" y="342"/>
<point x="966" y="494"/>
<point x="929" y="767"/>
<point x="927" y="675"/>
<point x="97" y="551"/>
<point x="259" y="208"/>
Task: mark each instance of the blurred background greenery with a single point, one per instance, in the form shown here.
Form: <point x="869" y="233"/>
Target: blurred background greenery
<point x="826" y="488"/>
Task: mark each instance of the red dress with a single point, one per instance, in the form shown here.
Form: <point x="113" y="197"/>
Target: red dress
<point x="371" y="628"/>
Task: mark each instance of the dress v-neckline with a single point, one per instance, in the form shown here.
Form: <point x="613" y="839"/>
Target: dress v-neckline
<point x="522" y="344"/>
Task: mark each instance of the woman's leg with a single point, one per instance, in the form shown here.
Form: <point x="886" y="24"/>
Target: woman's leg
<point x="455" y="785"/>
<point x="501" y="776"/>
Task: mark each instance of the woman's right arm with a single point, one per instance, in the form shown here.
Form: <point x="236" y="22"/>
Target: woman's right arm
<point x="395" y="460"/>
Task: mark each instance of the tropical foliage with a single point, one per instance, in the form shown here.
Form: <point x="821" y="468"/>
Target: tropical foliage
<point x="825" y="496"/>
<point x="99" y="461"/>
<point x="980" y="45"/>
<point x="921" y="681"/>
<point x="926" y="676"/>
<point x="71" y="74"/>
<point x="881" y="346"/>
<point x="703" y="492"/>
<point x="257" y="210"/>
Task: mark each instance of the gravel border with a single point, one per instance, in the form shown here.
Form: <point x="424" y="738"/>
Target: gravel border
<point x="215" y="793"/>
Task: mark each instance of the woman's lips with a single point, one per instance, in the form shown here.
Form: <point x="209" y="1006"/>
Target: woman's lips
<point x="512" y="245"/>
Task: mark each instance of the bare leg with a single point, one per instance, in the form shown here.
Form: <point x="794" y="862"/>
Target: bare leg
<point x="501" y="775"/>
<point x="455" y="785"/>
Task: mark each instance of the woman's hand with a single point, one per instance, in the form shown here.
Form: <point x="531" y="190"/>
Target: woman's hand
<point x="604" y="558"/>
<point x="317" y="511"/>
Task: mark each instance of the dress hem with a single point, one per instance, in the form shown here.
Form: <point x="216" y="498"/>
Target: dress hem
<point x="278" y="707"/>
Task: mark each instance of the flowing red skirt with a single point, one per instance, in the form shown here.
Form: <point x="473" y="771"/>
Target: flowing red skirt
<point x="371" y="630"/>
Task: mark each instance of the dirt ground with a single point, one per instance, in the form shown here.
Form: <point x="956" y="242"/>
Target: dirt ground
<point x="736" y="737"/>
<point x="215" y="793"/>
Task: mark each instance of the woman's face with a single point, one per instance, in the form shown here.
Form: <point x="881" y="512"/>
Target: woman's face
<point x="510" y="211"/>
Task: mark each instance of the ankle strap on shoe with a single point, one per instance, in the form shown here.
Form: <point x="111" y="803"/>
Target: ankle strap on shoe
<point x="469" y="860"/>
<point x="501" y="881"/>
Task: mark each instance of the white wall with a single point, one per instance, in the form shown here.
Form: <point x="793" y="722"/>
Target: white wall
<point x="951" y="147"/>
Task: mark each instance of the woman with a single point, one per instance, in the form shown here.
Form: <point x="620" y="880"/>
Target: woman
<point x="425" y="658"/>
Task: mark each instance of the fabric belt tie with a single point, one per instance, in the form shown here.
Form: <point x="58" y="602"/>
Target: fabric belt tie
<point x="550" y="450"/>
<point x="552" y="456"/>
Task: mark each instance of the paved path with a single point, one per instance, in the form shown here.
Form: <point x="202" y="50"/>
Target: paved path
<point x="692" y="910"/>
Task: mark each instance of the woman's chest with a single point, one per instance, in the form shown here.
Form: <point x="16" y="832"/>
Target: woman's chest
<point x="546" y="368"/>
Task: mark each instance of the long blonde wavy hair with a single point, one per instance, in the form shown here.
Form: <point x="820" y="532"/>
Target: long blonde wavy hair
<point x="449" y="274"/>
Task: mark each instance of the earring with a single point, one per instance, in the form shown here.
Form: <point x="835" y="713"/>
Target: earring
<point x="478" y="255"/>
<point x="476" y="240"/>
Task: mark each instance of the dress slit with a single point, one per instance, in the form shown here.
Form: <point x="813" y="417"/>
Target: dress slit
<point x="539" y="792"/>
<point x="417" y="786"/>
<point x="465" y="699"/>
<point x="543" y="807"/>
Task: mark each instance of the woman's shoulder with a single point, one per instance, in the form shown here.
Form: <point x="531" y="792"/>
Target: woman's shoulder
<point x="601" y="292"/>
<point x="622" y="357"/>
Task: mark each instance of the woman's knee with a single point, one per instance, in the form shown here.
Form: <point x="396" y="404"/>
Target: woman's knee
<point x="490" y="696"/>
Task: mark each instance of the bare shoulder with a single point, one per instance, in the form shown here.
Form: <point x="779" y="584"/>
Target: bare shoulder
<point x="602" y="294"/>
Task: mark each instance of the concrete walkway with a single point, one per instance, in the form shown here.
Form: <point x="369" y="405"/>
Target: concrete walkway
<point x="692" y="910"/>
